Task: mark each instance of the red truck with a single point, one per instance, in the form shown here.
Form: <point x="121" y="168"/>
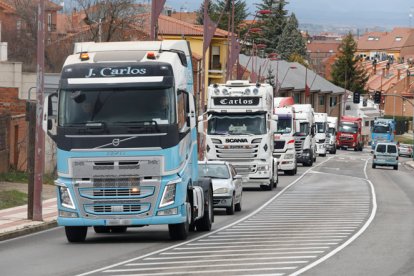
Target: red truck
<point x="349" y="133"/>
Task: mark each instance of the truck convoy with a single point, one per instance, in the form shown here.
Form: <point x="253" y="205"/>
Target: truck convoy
<point x="383" y="130"/>
<point x="305" y="145"/>
<point x="126" y="140"/>
<point x="331" y="135"/>
<point x="321" y="123"/>
<point x="349" y="133"/>
<point x="240" y="127"/>
<point x="284" y="141"/>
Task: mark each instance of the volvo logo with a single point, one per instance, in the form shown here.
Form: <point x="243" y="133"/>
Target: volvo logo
<point x="229" y="140"/>
<point x="116" y="142"/>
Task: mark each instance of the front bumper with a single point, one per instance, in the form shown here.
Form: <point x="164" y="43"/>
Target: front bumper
<point x="321" y="148"/>
<point x="222" y="201"/>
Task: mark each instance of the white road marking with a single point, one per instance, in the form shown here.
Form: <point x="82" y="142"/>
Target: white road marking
<point x="231" y="255"/>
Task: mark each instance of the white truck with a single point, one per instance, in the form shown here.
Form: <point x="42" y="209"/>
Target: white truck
<point x="321" y="124"/>
<point x="284" y="141"/>
<point x="240" y="130"/>
<point x="305" y="134"/>
<point x="331" y="136"/>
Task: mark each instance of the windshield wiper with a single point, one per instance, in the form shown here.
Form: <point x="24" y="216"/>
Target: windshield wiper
<point x="140" y="124"/>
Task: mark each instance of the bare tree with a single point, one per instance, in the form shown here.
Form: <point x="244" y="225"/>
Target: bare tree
<point x="111" y="17"/>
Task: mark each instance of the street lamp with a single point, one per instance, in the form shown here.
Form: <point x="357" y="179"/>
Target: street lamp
<point x="89" y="22"/>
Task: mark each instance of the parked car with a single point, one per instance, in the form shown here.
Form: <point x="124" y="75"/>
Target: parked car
<point x="405" y="149"/>
<point x="385" y="154"/>
<point x="227" y="184"/>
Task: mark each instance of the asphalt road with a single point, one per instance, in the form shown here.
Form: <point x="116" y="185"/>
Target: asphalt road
<point x="322" y="213"/>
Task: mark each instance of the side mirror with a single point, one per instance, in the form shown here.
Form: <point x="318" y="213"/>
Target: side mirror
<point x="313" y="131"/>
<point x="372" y="152"/>
<point x="273" y="126"/>
<point x="188" y="121"/>
<point x="200" y="127"/>
<point x="49" y="118"/>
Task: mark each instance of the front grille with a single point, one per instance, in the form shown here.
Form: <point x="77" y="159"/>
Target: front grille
<point x="345" y="138"/>
<point x="216" y="201"/>
<point x="279" y="144"/>
<point x="245" y="169"/>
<point x="237" y="151"/>
<point x="114" y="182"/>
<point x="299" y="145"/>
<point x="125" y="209"/>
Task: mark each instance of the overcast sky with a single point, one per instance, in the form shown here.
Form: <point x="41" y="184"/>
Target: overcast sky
<point x="360" y="13"/>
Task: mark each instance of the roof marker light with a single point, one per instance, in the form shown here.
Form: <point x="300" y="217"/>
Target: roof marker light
<point x="84" y="56"/>
<point x="150" y="55"/>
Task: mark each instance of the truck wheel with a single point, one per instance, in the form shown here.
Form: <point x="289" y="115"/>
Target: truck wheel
<point x="76" y="233"/>
<point x="180" y="231"/>
<point x="396" y="167"/>
<point x="230" y="210"/>
<point x="118" y="229"/>
<point x="204" y="224"/>
<point x="374" y="166"/>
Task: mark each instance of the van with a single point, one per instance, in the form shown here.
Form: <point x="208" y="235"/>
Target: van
<point x="385" y="154"/>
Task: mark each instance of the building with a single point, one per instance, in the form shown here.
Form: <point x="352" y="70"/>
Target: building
<point x="397" y="45"/>
<point x="292" y="79"/>
<point x="319" y="53"/>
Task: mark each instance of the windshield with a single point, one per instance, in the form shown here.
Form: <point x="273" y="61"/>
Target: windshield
<point x="381" y="129"/>
<point x="348" y="128"/>
<point x="304" y="129"/>
<point x="331" y="130"/>
<point x="284" y="125"/>
<point x="242" y="124"/>
<point x="320" y="127"/>
<point x="213" y="170"/>
<point x="116" y="106"/>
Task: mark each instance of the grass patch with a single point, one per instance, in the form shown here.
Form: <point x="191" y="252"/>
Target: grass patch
<point x="12" y="198"/>
<point x="23" y="177"/>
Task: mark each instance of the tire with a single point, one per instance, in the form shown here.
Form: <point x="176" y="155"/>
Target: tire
<point x="205" y="223"/>
<point x="230" y="210"/>
<point x="289" y="172"/>
<point x="396" y="168"/>
<point x="322" y="155"/>
<point x="374" y="166"/>
<point x="180" y="231"/>
<point x="76" y="233"/>
<point x="238" y="206"/>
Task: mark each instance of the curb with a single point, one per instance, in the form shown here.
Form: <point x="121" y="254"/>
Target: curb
<point x="28" y="230"/>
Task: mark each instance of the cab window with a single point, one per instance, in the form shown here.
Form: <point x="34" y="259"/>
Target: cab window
<point x="391" y="149"/>
<point x="381" y="148"/>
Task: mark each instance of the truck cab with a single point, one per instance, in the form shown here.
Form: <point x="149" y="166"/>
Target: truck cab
<point x="331" y="135"/>
<point x="125" y="131"/>
<point x="284" y="141"/>
<point x="349" y="133"/>
<point x="240" y="127"/>
<point x="305" y="134"/>
<point x="383" y="130"/>
<point x="321" y="123"/>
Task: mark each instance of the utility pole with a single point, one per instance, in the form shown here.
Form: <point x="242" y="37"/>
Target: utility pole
<point x="39" y="157"/>
<point x="156" y="9"/>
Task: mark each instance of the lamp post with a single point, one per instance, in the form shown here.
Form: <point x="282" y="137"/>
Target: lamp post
<point x="89" y="22"/>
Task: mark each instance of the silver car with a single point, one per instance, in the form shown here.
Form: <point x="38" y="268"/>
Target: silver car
<point x="405" y="149"/>
<point x="227" y="185"/>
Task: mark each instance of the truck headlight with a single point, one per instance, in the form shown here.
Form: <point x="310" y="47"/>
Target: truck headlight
<point x="221" y="191"/>
<point x="289" y="156"/>
<point x="66" y="198"/>
<point x="168" y="196"/>
<point x="263" y="168"/>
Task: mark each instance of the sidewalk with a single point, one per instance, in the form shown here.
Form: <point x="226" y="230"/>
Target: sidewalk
<point x="410" y="163"/>
<point x="14" y="222"/>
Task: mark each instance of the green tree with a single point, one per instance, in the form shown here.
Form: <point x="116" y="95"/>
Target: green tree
<point x="346" y="71"/>
<point x="272" y="24"/>
<point x="291" y="41"/>
<point x="225" y="7"/>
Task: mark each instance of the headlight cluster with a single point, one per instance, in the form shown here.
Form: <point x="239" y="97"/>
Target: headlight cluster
<point x="168" y="196"/>
<point x="221" y="191"/>
<point x="66" y="198"/>
<point x="263" y="168"/>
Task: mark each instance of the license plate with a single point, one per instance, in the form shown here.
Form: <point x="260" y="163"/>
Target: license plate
<point x="117" y="222"/>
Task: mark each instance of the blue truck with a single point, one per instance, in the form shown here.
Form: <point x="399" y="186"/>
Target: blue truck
<point x="383" y="130"/>
<point x="125" y="130"/>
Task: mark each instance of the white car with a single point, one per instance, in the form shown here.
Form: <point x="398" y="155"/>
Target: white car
<point x="227" y="185"/>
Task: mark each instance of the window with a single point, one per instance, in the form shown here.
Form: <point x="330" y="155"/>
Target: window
<point x="370" y="38"/>
<point x="347" y="107"/>
<point x="182" y="109"/>
<point x="391" y="149"/>
<point x="367" y="123"/>
<point x="296" y="98"/>
<point x="322" y="100"/>
<point x="49" y="22"/>
<point x="332" y="101"/>
<point x="215" y="58"/>
<point x="398" y="38"/>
